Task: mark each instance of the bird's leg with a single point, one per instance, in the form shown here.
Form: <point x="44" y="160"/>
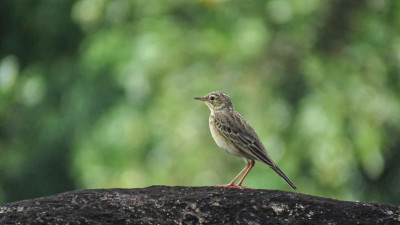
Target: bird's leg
<point x="248" y="170"/>
<point x="232" y="183"/>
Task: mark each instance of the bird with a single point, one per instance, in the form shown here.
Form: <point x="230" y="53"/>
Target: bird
<point x="233" y="134"/>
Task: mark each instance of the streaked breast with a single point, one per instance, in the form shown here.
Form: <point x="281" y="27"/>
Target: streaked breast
<point x="221" y="141"/>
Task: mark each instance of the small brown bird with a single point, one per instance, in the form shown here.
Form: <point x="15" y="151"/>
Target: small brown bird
<point x="234" y="135"/>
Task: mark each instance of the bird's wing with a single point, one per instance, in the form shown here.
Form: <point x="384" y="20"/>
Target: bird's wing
<point x="235" y="128"/>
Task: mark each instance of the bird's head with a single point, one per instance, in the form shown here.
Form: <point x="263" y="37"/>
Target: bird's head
<point x="217" y="101"/>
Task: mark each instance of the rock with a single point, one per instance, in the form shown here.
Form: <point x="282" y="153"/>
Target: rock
<point x="193" y="205"/>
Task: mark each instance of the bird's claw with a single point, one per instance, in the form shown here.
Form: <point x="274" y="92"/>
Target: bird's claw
<point x="234" y="186"/>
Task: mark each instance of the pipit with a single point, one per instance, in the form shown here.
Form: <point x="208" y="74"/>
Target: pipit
<point x="234" y="135"/>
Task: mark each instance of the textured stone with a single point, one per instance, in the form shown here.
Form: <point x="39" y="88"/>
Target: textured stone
<point x="193" y="205"/>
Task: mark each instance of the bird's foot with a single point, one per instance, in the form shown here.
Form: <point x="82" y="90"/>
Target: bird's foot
<point x="228" y="186"/>
<point x="245" y="187"/>
<point x="234" y="186"/>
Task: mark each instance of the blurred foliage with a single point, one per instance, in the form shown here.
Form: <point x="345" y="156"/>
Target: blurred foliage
<point x="99" y="94"/>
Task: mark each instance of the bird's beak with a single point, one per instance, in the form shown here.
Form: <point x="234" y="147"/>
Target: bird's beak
<point x="201" y="98"/>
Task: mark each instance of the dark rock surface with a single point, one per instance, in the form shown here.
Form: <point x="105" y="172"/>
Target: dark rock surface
<point x="193" y="205"/>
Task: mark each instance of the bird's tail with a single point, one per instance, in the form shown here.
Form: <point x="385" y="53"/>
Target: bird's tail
<point x="279" y="171"/>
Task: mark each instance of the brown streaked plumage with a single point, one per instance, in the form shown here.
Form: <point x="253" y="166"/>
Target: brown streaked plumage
<point x="234" y="135"/>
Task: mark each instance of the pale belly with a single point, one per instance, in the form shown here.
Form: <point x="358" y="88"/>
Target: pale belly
<point x="222" y="142"/>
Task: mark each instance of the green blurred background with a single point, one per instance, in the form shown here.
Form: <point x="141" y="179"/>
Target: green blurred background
<point x="99" y="94"/>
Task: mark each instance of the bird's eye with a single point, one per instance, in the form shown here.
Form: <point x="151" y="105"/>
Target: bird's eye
<point x="212" y="98"/>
